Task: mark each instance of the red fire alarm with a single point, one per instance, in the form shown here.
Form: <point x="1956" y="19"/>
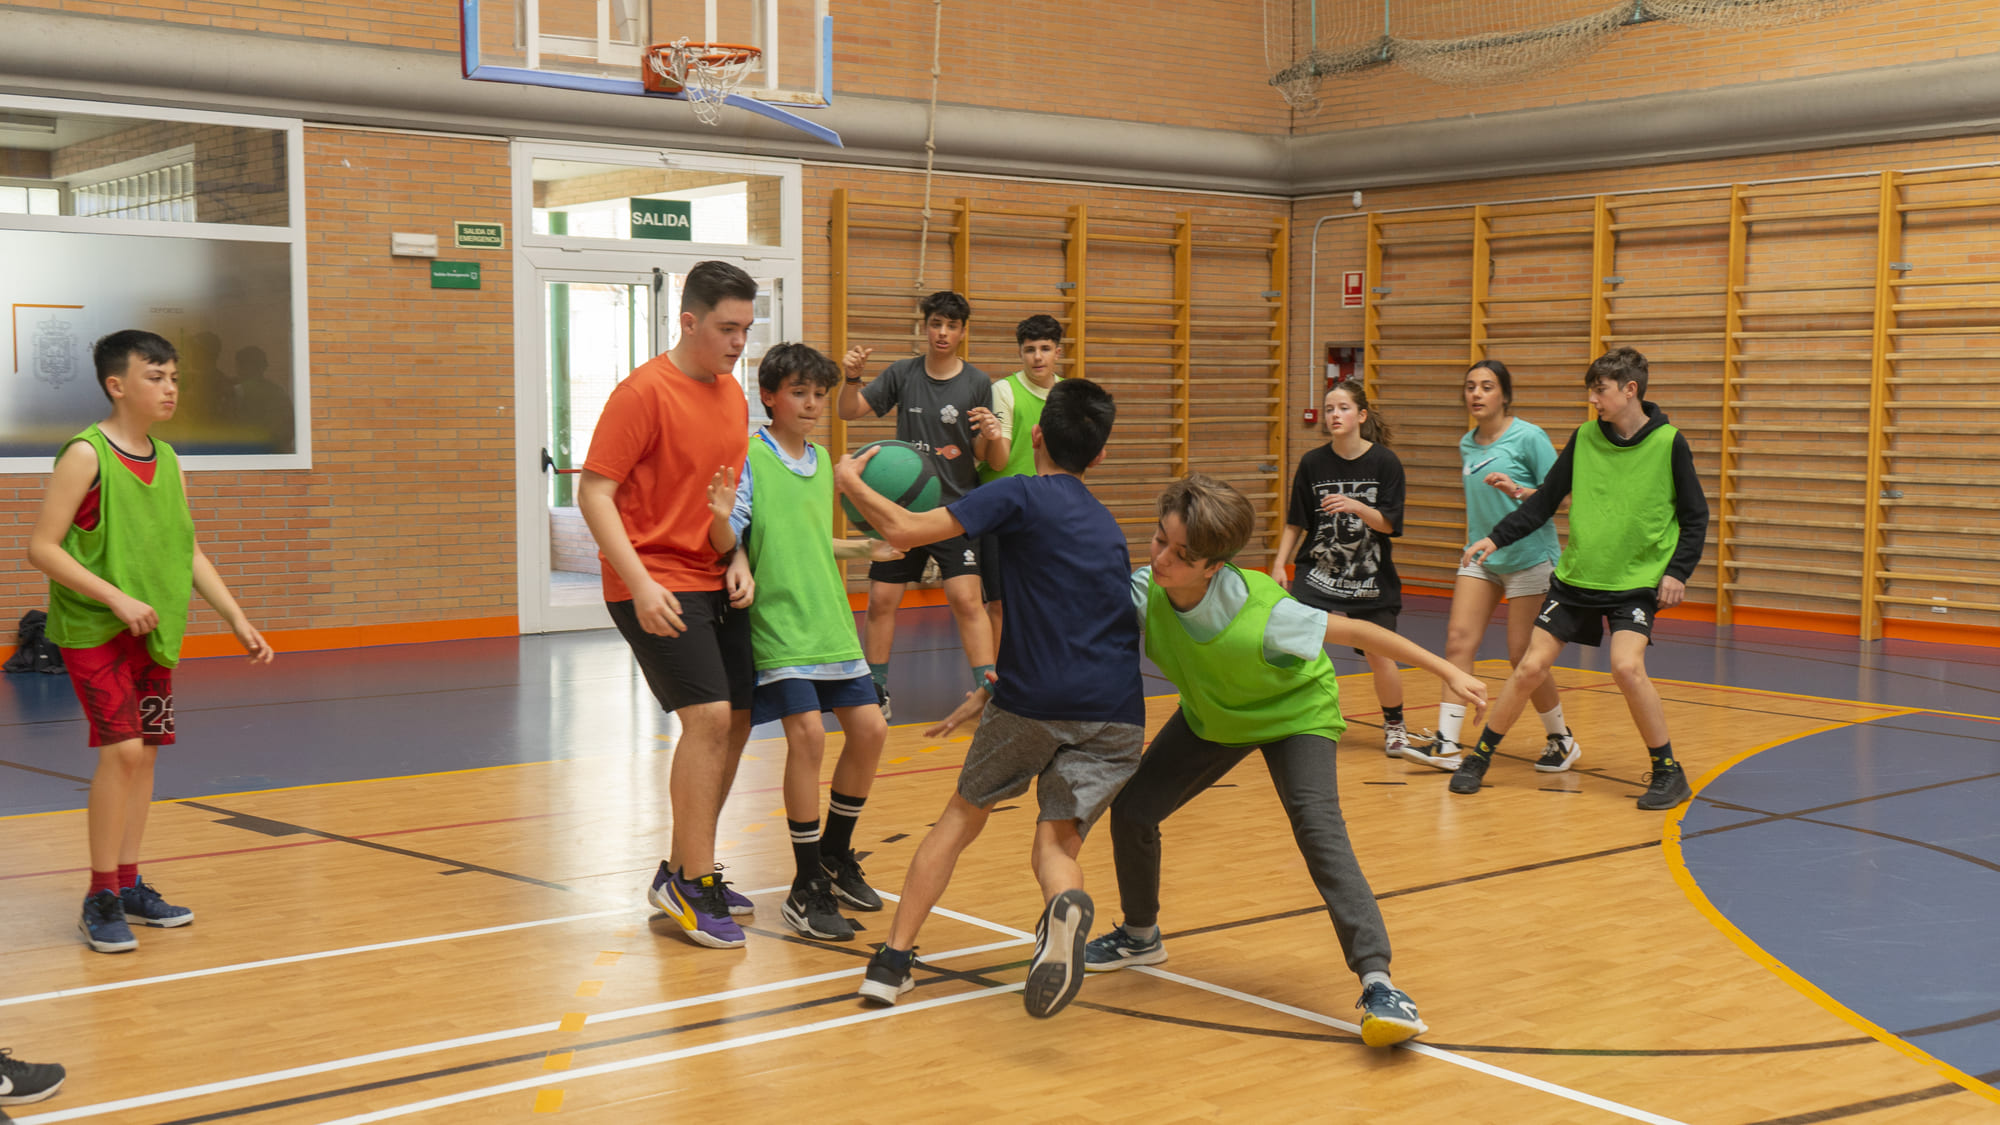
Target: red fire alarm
<point x="1311" y="417"/>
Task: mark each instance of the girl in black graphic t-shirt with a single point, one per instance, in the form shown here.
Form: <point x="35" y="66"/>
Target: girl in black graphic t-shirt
<point x="1346" y="506"/>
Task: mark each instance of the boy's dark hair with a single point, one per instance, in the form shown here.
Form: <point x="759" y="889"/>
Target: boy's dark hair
<point x="1076" y="421"/>
<point x="1040" y="326"/>
<point x="113" y="353"/>
<point x="808" y="363"/>
<point x="1618" y="366"/>
<point x="1219" y="519"/>
<point x="709" y="284"/>
<point x="1376" y="428"/>
<point x="946" y="304"/>
<point x="1500" y="375"/>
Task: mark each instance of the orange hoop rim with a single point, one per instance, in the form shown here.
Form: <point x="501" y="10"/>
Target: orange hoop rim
<point x="711" y="54"/>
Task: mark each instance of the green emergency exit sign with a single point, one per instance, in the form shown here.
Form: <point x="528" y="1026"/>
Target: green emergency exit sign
<point x="663" y="218"/>
<point x="454" y="275"/>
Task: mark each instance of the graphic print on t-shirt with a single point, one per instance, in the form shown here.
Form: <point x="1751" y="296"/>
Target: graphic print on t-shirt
<point x="1346" y="559"/>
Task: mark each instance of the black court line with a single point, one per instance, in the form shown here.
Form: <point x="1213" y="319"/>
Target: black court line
<point x="270" y="827"/>
<point x="43" y="772"/>
<point x="1834" y="1113"/>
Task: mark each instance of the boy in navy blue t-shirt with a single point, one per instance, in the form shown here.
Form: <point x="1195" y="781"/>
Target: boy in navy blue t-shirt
<point x="1067" y="711"/>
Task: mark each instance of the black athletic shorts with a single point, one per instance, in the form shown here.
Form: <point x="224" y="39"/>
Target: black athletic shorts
<point x="1565" y="617"/>
<point x="709" y="663"/>
<point x="1385" y="616"/>
<point x="955" y="557"/>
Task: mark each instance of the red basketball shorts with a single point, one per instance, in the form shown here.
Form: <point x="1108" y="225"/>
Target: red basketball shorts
<point x="125" y="695"/>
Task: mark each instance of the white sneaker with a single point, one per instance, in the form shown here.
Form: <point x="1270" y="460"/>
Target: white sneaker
<point x="1429" y="749"/>
<point x="1395" y="738"/>
<point x="1561" y="753"/>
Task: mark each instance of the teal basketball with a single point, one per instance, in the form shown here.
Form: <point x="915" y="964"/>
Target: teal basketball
<point x="900" y="472"/>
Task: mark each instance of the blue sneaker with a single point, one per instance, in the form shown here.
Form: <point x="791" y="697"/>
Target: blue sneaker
<point x="103" y="924"/>
<point x="143" y="905"/>
<point x="1388" y="1016"/>
<point x="1118" y="949"/>
<point x="700" y="909"/>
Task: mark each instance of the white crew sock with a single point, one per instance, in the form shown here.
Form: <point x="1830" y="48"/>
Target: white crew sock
<point x="1451" y="721"/>
<point x="1552" y="720"/>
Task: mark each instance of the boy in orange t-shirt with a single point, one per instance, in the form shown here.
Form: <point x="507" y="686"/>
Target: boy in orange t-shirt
<point x="675" y="431"/>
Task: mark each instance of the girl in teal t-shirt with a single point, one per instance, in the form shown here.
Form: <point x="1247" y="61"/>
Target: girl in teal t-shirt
<point x="1503" y="460"/>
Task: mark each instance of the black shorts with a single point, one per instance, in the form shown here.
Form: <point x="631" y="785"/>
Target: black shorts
<point x="709" y="663"/>
<point x="1572" y="623"/>
<point x="955" y="557"/>
<point x="1385" y="616"/>
<point x="989" y="567"/>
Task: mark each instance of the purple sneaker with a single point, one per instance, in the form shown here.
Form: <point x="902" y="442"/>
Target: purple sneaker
<point x="700" y="909"/>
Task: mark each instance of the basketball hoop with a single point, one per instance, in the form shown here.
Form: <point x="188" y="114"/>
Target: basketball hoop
<point x="706" y="72"/>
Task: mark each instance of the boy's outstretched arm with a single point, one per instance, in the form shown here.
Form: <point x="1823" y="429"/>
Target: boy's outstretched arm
<point x="213" y="590"/>
<point x="899" y="526"/>
<point x="76" y="468"/>
<point x="1372" y="638"/>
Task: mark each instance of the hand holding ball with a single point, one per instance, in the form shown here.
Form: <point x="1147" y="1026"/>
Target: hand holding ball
<point x="900" y="472"/>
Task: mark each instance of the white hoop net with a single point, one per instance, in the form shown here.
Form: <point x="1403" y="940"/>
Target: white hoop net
<point x="707" y="72"/>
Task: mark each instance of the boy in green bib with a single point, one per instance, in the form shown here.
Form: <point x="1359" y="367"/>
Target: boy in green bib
<point x="117" y="541"/>
<point x="1017" y="407"/>
<point x="1637" y="524"/>
<point x="1251" y="666"/>
<point x="802" y="636"/>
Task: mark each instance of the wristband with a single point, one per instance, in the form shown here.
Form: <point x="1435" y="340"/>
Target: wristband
<point x="853" y="380"/>
<point x="979" y="679"/>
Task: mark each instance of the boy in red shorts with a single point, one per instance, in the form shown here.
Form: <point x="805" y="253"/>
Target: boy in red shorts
<point x="117" y="541"/>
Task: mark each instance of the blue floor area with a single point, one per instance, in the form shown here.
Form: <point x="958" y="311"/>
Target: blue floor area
<point x="315" y="717"/>
<point x="1868" y="860"/>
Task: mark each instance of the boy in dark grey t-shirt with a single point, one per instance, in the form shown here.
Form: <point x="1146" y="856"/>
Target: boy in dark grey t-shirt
<point x="943" y="406"/>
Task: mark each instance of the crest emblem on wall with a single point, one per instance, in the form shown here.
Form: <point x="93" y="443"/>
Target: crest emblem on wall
<point x="54" y="350"/>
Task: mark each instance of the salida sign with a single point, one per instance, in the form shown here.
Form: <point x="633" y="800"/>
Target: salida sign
<point x="663" y="218"/>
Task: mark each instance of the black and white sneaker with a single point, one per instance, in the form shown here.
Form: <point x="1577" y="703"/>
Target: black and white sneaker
<point x="1560" y="754"/>
<point x="1058" y="967"/>
<point x="1665" y="789"/>
<point x="1388" y="1016"/>
<point x="25" y="1082"/>
<point x="812" y="911"/>
<point x="1433" y="750"/>
<point x="1471" y="774"/>
<point x="850" y="883"/>
<point x="882" y="699"/>
<point x="884" y="983"/>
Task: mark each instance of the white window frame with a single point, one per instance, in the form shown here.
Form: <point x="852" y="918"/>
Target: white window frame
<point x="291" y="234"/>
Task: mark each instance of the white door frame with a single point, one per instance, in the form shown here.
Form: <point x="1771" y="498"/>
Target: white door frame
<point x="542" y="258"/>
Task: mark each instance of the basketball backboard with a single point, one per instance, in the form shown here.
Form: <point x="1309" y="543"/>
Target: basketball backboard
<point x="596" y="46"/>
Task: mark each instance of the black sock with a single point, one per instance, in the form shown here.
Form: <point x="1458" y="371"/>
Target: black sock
<point x="1392" y="714"/>
<point x="841" y="813"/>
<point x="898" y="958"/>
<point x="1488" y="743"/>
<point x="805" y="849"/>
<point x="1663" y="756"/>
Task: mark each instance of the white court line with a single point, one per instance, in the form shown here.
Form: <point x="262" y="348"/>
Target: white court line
<point x="245" y="966"/>
<point x="662" y="1057"/>
<point x="1421" y="1049"/>
<point x="250" y="1081"/>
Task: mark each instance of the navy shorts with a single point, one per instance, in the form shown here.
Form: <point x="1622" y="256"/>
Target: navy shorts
<point x="793" y="696"/>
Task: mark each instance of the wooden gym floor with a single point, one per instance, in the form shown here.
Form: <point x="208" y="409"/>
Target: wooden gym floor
<point x="418" y="875"/>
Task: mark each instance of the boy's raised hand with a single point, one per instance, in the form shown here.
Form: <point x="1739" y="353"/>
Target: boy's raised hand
<point x="722" y="493"/>
<point x="855" y="361"/>
<point x="983" y="422"/>
<point x="847" y="471"/>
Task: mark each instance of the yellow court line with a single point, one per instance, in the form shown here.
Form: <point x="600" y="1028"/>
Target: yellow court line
<point x="1670" y="847"/>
